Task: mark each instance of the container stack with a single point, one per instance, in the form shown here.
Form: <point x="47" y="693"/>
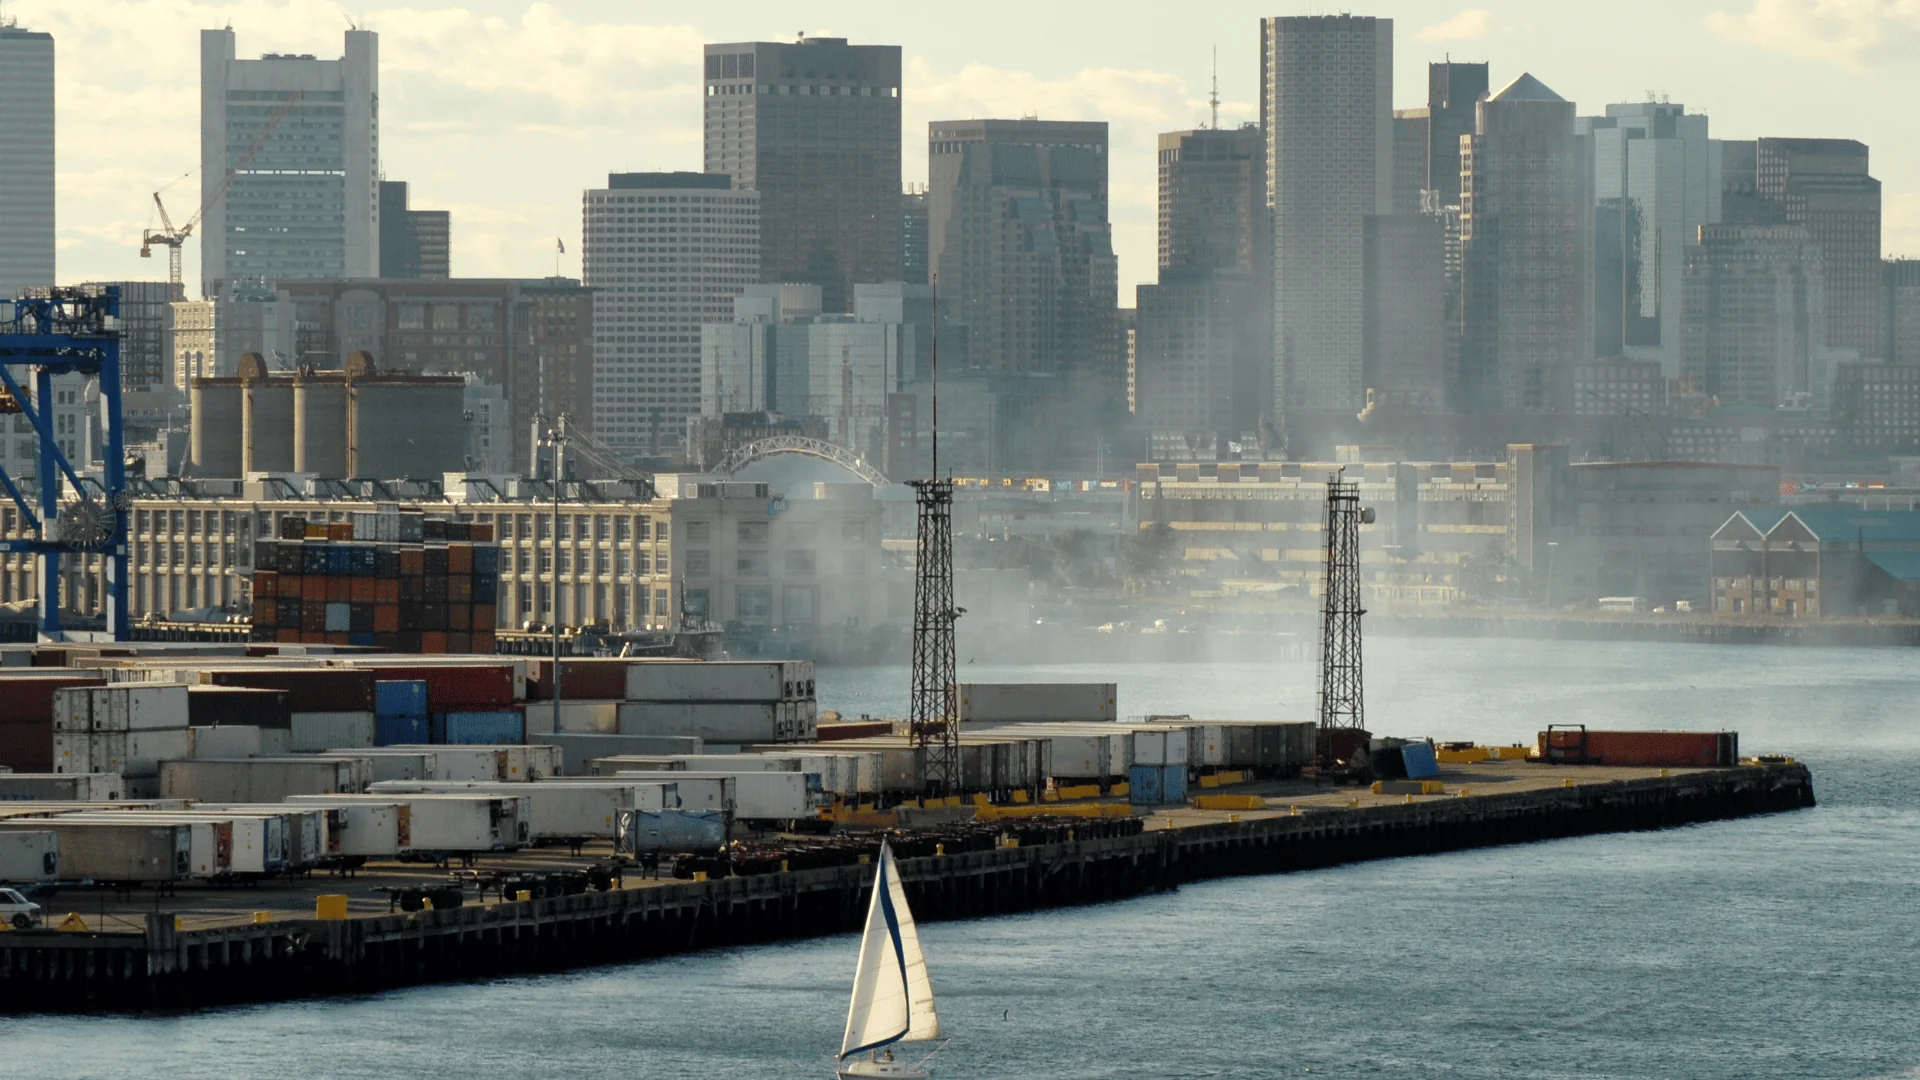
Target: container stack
<point x="469" y="700"/>
<point x="394" y="581"/>
<point x="400" y="712"/>
<point x="26" y="713"/>
<point x="127" y="729"/>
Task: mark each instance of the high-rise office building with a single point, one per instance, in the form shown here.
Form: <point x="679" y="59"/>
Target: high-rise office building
<point x="1412" y="131"/>
<point x="665" y="254"/>
<point x="1525" y="235"/>
<point x="1823" y="184"/>
<point x="1656" y="180"/>
<point x="414" y="244"/>
<point x="913" y="236"/>
<point x="1201" y="359"/>
<point x="26" y="163"/>
<point x="1900" y="303"/>
<point x="1326" y="108"/>
<point x="814" y="127"/>
<point x="302" y="137"/>
<point x="1740" y="202"/>
<point x="1406" y="314"/>
<point x="1017" y="231"/>
<point x="1756" y="317"/>
<point x="1453" y="96"/>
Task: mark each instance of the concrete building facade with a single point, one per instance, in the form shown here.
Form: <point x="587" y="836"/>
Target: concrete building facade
<point x="302" y="136"/>
<point x="666" y="253"/>
<point x="1525" y="234"/>
<point x="26" y="168"/>
<point x="814" y="127"/>
<point x="1405" y="325"/>
<point x="1823" y="186"/>
<point x="1326" y="106"/>
<point x="1756" y="317"/>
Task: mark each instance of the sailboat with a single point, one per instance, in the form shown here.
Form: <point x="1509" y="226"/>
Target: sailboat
<point x="892" y="998"/>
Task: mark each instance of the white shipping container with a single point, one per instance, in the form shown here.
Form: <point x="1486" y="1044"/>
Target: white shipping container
<point x="206" y="850"/>
<point x="27" y="858"/>
<point x="1160" y="747"/>
<point x="61" y="787"/>
<point x="73" y="709"/>
<point x="223" y="741"/>
<point x="119" y="851"/>
<point x="405" y="765"/>
<point x="153" y="706"/>
<point x="757" y="796"/>
<point x="694" y="792"/>
<point x="72" y="752"/>
<point x="1024" y="703"/>
<point x="575" y="717"/>
<point x="454" y="762"/>
<point x="311" y="732"/>
<point x="452" y="824"/>
<point x="350" y="829"/>
<point x="577" y="750"/>
<point x="147" y="748"/>
<point x="561" y="810"/>
<point x="261" y="780"/>
<point x="764" y="681"/>
<point x="710" y="722"/>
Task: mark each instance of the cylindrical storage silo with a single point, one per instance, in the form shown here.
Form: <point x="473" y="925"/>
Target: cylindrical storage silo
<point x="267" y="427"/>
<point x="216" y="427"/>
<point x="408" y="426"/>
<point x="320" y="425"/>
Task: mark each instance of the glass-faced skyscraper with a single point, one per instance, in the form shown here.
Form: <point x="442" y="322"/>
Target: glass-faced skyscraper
<point x="306" y="203"/>
<point x="814" y="127"/>
<point x="26" y="166"/>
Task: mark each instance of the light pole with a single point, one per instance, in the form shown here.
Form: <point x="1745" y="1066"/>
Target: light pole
<point x="1552" y="546"/>
<point x="556" y="440"/>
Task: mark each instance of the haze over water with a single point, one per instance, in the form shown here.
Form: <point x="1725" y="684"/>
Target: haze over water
<point x="1783" y="946"/>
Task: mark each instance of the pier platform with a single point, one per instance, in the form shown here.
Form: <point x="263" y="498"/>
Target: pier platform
<point x="241" y="944"/>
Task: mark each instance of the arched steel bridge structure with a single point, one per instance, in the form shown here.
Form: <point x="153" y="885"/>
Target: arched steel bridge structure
<point x="760" y="449"/>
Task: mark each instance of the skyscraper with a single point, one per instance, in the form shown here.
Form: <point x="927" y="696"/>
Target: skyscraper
<point x="1453" y="95"/>
<point x="913" y="236"/>
<point x="1656" y="180"/>
<point x="1756" y="317"/>
<point x="1525" y="234"/>
<point x="303" y="137"/>
<point x="26" y="165"/>
<point x="1412" y="134"/>
<point x="814" y="127"/>
<point x="1823" y="184"/>
<point x="666" y="253"/>
<point x="1202" y="358"/>
<point x="414" y="244"/>
<point x="1326" y="108"/>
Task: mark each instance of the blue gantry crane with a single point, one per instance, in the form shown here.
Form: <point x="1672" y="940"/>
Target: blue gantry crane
<point x="67" y="331"/>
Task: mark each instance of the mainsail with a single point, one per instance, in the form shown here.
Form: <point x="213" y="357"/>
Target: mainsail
<point x="892" y="997"/>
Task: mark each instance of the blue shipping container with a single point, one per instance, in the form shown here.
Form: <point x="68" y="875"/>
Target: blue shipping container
<point x="486" y="560"/>
<point x="401" y="730"/>
<point x="1420" y="762"/>
<point x="483" y="728"/>
<point x="642" y="831"/>
<point x="339" y="618"/>
<point x="1173" y="784"/>
<point x="360" y="637"/>
<point x="1143" y="785"/>
<point x="339" y="560"/>
<point x="400" y="697"/>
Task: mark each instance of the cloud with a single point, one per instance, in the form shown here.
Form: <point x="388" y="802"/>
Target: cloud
<point x="1849" y="33"/>
<point x="1469" y="24"/>
<point x="1901" y="226"/>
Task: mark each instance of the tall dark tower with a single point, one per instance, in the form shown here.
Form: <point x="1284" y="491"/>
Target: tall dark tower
<point x="1452" y="91"/>
<point x="933" y="712"/>
<point x="1341" y="700"/>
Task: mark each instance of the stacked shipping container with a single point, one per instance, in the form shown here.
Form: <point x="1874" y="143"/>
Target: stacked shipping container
<point x="401" y="582"/>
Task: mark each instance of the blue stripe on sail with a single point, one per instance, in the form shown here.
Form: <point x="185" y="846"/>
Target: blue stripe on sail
<point x="881" y="890"/>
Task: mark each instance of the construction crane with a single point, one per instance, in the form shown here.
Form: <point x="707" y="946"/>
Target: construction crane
<point x="174" y="239"/>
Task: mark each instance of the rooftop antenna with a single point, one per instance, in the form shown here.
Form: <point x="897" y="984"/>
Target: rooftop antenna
<point x="1214" y="99"/>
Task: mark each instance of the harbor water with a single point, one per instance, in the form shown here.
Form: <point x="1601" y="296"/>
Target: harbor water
<point x="1771" y="947"/>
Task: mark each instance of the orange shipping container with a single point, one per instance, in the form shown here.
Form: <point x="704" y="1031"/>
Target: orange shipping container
<point x="481" y="533"/>
<point x="289" y="586"/>
<point x="266" y="610"/>
<point x="340" y="590"/>
<point x="459" y="617"/>
<point x="460" y="559"/>
<point x="288" y="637"/>
<point x="266" y="584"/>
<point x="485" y="616"/>
<point x="316" y="530"/>
<point x="483" y="641"/>
<point x="337" y="637"/>
<point x="340" y="530"/>
<point x="386" y="590"/>
<point x="363" y="590"/>
<point x="413" y="561"/>
<point x="433" y="641"/>
<point x="1649" y="749"/>
<point x="386" y="618"/>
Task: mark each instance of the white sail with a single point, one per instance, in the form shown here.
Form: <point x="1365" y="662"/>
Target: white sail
<point x="892" y="998"/>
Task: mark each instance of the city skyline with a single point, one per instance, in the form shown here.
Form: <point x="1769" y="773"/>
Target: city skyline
<point x="629" y="97"/>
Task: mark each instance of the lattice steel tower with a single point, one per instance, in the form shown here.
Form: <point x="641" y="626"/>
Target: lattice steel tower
<point x="1341" y="701"/>
<point x="934" y="713"/>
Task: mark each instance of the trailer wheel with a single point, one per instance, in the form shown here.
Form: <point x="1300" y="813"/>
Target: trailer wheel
<point x="21" y="920"/>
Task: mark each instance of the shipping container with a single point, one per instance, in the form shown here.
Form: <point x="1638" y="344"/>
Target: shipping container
<point x="123" y="851"/>
<point x="468" y="728"/>
<point x="1651" y="749"/>
<point x="453" y="824"/>
<point x="28" y="858"/>
<point x="710" y="722"/>
<point x="224" y="741"/>
<point x="456" y="684"/>
<point x="576" y="717"/>
<point x="719" y="681"/>
<point x="147" y="749"/>
<point x="560" y="811"/>
<point x="577" y="750"/>
<point x="210" y="842"/>
<point x="308" y="689"/>
<point x="311" y="732"/>
<point x="758" y="797"/>
<point x="401" y="730"/>
<point x="644" y="832"/>
<point x="400" y="698"/>
<point x="262" y="780"/>
<point x="517" y="763"/>
<point x="406" y="765"/>
<point x="1027" y="703"/>
<point x="220" y="706"/>
<point x="61" y="787"/>
<point x="1157" y="785"/>
<point x="853" y="729"/>
<point x="715" y="793"/>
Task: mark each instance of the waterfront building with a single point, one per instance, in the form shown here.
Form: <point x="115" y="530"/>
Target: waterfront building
<point x="306" y="203"/>
<point x="1830" y="559"/>
<point x="666" y="253"/>
<point x="413" y="243"/>
<point x="1326" y="108"/>
<point x="1823" y="186"/>
<point x="26" y="170"/>
<point x="1525" y="233"/>
<point x="814" y="127"/>
<point x="1876" y="407"/>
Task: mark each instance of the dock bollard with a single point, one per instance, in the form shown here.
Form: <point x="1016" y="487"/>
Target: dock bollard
<point x="426" y="903"/>
<point x="523" y="896"/>
<point x="939" y="849"/>
<point x="330" y="906"/>
<point x="1293" y="811"/>
<point x="1233" y="818"/>
<point x="1566" y="783"/>
<point x="701" y="875"/>
<point x="1663" y="772"/>
<point x="263" y="916"/>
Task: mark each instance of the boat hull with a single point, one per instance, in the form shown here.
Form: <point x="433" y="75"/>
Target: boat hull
<point x="881" y="1069"/>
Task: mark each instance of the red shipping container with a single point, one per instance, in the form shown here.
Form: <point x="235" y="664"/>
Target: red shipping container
<point x="453" y="687"/>
<point x="386" y="618"/>
<point x="340" y="590"/>
<point x="386" y="590"/>
<point x="27" y="697"/>
<point x="27" y="746"/>
<point x="1648" y="749"/>
<point x="483" y="641"/>
<point x="433" y="641"/>
<point x="290" y="586"/>
<point x="314" y="689"/>
<point x="854" y="729"/>
<point x="266" y="584"/>
<point x="363" y="590"/>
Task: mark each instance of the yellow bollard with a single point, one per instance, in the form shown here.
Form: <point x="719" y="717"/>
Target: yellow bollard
<point x="426" y="903"/>
<point x="1294" y="810"/>
<point x="330" y="906"/>
<point x="74" y="923"/>
<point x="1464" y="792"/>
<point x="865" y="859"/>
<point x="1663" y="772"/>
<point x="1353" y="804"/>
<point x="1409" y="800"/>
<point x="701" y="875"/>
<point x="179" y="924"/>
<point x="1566" y="783"/>
<point x="1234" y="818"/>
<point x="523" y="896"/>
<point x="939" y="849"/>
<point x="263" y="916"/>
<point x="783" y="866"/>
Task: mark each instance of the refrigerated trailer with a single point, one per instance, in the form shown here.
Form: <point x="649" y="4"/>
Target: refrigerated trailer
<point x="130" y="852"/>
<point x="29" y="857"/>
<point x="562" y="810"/>
<point x="758" y="797"/>
<point x="447" y="824"/>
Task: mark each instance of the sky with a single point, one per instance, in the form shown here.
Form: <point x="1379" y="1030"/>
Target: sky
<point x="504" y="111"/>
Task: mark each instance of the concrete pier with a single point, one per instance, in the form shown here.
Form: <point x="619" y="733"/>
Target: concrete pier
<point x="156" y="964"/>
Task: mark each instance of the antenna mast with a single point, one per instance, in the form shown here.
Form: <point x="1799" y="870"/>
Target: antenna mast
<point x="933" y="713"/>
<point x="1214" y="99"/>
<point x="1341" y="702"/>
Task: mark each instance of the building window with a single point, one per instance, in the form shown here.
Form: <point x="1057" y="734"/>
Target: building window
<point x="754" y="603"/>
<point x="799" y="561"/>
<point x="753" y="532"/>
<point x="699" y="564"/>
